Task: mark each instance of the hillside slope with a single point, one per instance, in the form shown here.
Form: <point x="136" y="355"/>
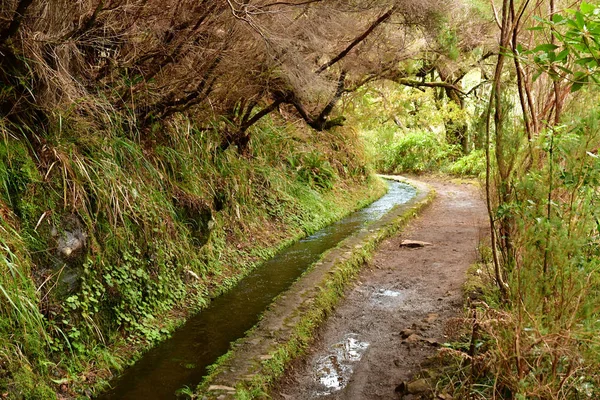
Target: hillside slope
<point x="108" y="242"/>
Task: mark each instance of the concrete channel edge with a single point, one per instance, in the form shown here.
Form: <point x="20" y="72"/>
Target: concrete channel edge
<point x="285" y="329"/>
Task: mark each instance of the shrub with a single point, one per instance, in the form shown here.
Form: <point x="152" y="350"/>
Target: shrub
<point x="417" y="151"/>
<point x="473" y="164"/>
<point x="313" y="169"/>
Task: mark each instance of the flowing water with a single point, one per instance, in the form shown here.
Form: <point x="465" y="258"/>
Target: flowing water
<point x="182" y="359"/>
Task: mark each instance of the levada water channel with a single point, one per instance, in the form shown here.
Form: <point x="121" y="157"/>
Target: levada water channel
<point x="182" y="360"/>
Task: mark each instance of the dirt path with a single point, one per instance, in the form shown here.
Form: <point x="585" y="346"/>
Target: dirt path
<point x="374" y="339"/>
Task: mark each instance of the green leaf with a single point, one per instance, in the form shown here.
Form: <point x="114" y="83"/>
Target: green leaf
<point x="580" y="20"/>
<point x="562" y="56"/>
<point x="553" y="75"/>
<point x="590" y="61"/>
<point x="587" y="8"/>
<point x="576" y="86"/>
<point x="565" y="70"/>
<point x="557" y="18"/>
<point x="580" y="79"/>
<point x="546" y="47"/>
<point x="573" y="24"/>
<point x="580" y="76"/>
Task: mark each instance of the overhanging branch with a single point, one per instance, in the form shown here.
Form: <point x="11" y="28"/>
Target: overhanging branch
<point x="419" y="84"/>
<point x="357" y="41"/>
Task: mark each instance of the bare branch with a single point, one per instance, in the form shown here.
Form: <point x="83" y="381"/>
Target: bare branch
<point x="474" y="88"/>
<point x="418" y="84"/>
<point x="89" y="23"/>
<point x="265" y="111"/>
<point x="384" y="17"/>
<point x="338" y="93"/>
<point x="285" y="3"/>
<point x="496" y="18"/>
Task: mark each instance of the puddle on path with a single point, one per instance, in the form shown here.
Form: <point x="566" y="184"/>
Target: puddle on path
<point x="389" y="297"/>
<point x="333" y="371"/>
<point x="387" y="293"/>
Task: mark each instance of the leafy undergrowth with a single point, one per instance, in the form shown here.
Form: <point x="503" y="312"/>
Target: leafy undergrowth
<point x="425" y="152"/>
<point x="539" y="339"/>
<point x="541" y="342"/>
<point x="109" y="241"/>
<point x="473" y="164"/>
<point x="415" y="152"/>
<point x="507" y="352"/>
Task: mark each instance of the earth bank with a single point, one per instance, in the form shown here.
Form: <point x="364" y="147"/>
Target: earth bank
<point x="108" y="249"/>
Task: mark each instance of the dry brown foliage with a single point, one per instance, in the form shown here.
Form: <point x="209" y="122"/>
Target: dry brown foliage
<point x="150" y="59"/>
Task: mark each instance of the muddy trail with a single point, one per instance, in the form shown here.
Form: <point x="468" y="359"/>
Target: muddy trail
<point x="395" y="316"/>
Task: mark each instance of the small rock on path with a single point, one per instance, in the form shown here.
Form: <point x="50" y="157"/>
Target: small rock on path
<point x="407" y="293"/>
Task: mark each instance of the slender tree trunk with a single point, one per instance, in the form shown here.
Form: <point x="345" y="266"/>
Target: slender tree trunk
<point x="496" y="103"/>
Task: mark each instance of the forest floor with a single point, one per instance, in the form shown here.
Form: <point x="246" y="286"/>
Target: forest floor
<point x="400" y="309"/>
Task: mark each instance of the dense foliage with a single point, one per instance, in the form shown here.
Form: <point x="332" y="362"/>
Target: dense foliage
<point x="535" y="335"/>
<point x="102" y="253"/>
<point x="152" y="152"/>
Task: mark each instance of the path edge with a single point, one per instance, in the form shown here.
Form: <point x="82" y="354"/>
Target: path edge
<point x="286" y="328"/>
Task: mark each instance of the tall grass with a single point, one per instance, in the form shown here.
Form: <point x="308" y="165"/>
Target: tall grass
<point x="24" y="338"/>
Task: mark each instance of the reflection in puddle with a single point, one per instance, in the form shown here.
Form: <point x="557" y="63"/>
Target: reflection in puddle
<point x="387" y="297"/>
<point x="388" y="293"/>
<point x="333" y="371"/>
<point x="391" y="299"/>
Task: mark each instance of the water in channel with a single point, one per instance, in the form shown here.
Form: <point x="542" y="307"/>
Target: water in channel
<point x="182" y="359"/>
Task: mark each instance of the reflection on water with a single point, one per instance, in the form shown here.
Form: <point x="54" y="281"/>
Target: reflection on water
<point x="182" y="359"/>
<point x="333" y="371"/>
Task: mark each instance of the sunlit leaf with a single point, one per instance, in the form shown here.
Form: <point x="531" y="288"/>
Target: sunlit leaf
<point x="580" y="20"/>
<point x="573" y="24"/>
<point x="587" y="8"/>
